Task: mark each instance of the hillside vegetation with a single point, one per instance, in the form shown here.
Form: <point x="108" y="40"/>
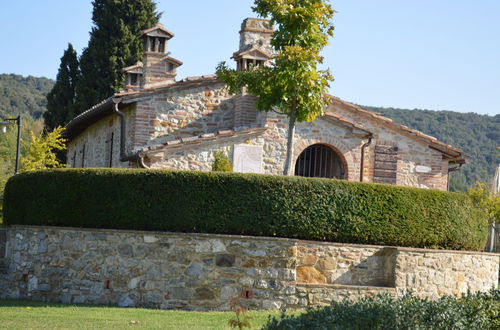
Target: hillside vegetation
<point x="477" y="135"/>
<point x="23" y="95"/>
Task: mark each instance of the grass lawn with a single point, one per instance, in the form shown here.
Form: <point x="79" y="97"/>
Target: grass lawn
<point x="16" y="314"/>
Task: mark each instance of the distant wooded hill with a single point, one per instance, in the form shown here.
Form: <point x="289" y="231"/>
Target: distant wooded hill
<point x="477" y="135"/>
<point x="23" y="95"/>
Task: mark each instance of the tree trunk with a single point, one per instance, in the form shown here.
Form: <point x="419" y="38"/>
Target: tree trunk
<point x="289" y="144"/>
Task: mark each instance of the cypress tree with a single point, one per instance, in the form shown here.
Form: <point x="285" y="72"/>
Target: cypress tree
<point x="61" y="99"/>
<point x="114" y="44"/>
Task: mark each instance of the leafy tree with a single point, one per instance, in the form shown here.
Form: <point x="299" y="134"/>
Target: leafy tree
<point x="8" y="145"/>
<point x="114" y="44"/>
<point x="292" y="85"/>
<point x="61" y="99"/>
<point x="486" y="201"/>
<point x="42" y="151"/>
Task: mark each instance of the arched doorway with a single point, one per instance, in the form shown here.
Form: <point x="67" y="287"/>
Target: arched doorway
<point x="319" y="161"/>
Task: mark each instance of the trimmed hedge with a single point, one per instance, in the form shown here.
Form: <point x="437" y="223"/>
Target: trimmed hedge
<point x="243" y="204"/>
<point x="473" y="311"/>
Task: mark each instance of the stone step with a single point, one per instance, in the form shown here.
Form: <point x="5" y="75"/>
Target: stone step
<point x="321" y="294"/>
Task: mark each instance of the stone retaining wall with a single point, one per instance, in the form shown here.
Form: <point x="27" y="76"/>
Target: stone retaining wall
<point x="202" y="272"/>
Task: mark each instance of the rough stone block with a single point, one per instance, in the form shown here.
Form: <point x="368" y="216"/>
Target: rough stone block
<point x="225" y="260"/>
<point x="310" y="275"/>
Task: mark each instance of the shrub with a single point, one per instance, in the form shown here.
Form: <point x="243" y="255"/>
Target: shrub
<point x="221" y="162"/>
<point x="245" y="204"/>
<point x="478" y="311"/>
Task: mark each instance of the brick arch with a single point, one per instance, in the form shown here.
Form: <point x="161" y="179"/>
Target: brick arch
<point x="340" y="148"/>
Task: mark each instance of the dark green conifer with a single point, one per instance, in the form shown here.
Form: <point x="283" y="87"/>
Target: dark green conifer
<point x="61" y="99"/>
<point x="114" y="44"/>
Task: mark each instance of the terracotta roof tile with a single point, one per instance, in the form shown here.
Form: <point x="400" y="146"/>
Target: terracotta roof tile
<point x="205" y="138"/>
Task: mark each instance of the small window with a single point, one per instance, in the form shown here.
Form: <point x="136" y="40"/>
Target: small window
<point x="83" y="156"/>
<point x="161" y="48"/>
<point x="319" y="161"/>
<point x="170" y="67"/>
<point x="151" y="44"/>
<point x="133" y="79"/>
<point x="109" y="147"/>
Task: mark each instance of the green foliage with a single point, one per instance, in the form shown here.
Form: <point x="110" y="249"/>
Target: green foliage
<point x="241" y="319"/>
<point x="473" y="311"/>
<point x="23" y="95"/>
<point x="292" y="85"/>
<point x="256" y="205"/>
<point x="114" y="44"/>
<point x="42" y="151"/>
<point x="484" y="199"/>
<point x="221" y="162"/>
<point x="61" y="99"/>
<point x="8" y="146"/>
<point x="477" y="135"/>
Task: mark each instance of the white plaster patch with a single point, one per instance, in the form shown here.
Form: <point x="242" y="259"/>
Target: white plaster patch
<point x="423" y="169"/>
<point x="247" y="158"/>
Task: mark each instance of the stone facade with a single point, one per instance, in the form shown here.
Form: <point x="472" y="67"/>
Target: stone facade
<point x="180" y="124"/>
<point x="202" y="272"/>
<point x="99" y="144"/>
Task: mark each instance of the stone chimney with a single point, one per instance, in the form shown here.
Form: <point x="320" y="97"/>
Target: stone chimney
<point x="255" y="43"/>
<point x="158" y="67"/>
<point x="255" y="50"/>
<point x="133" y="76"/>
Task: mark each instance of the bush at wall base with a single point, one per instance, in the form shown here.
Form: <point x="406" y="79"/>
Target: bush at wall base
<point x="245" y="204"/>
<point x="473" y="311"/>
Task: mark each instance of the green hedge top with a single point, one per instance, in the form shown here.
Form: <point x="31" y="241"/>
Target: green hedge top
<point x="243" y="204"/>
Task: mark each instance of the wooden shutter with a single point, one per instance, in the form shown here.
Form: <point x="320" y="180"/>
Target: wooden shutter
<point x="386" y="164"/>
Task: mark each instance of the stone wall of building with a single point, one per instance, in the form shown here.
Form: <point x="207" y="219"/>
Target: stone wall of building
<point x="320" y="131"/>
<point x="273" y="141"/>
<point x="99" y="144"/>
<point x="411" y="153"/>
<point x="184" y="112"/>
<point x="202" y="272"/>
<point x="202" y="106"/>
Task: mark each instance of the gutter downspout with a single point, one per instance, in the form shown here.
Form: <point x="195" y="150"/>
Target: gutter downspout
<point x="362" y="169"/>
<point x="132" y="157"/>
<point x="452" y="169"/>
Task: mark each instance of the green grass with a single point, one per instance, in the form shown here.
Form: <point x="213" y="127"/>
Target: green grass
<point x="15" y="314"/>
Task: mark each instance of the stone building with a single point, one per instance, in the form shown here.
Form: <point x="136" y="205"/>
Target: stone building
<point x="160" y="122"/>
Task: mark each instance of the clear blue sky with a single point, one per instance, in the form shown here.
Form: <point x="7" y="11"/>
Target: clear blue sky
<point x="433" y="54"/>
